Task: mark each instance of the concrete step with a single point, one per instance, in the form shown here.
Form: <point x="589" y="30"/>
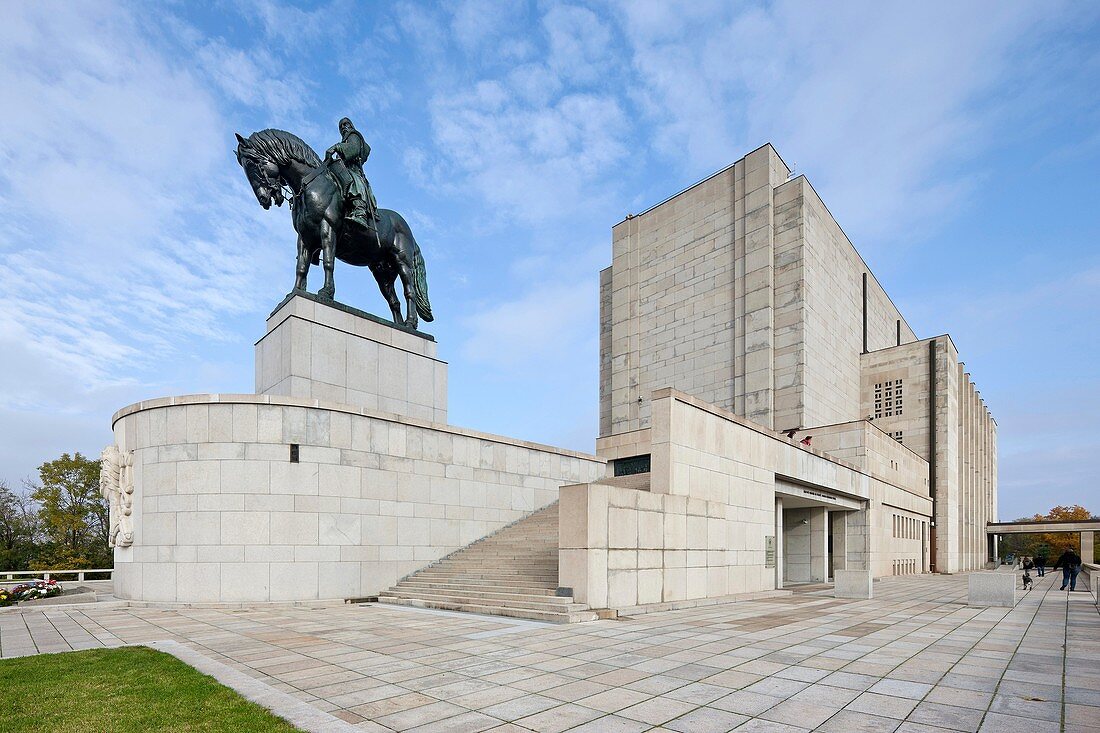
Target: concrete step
<point x="536" y="614"/>
<point x="518" y="579"/>
<point x="492" y="571"/>
<point x="500" y="598"/>
<point x="513" y="572"/>
<point x="461" y="587"/>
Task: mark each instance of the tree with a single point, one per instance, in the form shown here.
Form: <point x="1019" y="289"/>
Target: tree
<point x="1047" y="544"/>
<point x="74" y="515"/>
<point x="19" y="528"/>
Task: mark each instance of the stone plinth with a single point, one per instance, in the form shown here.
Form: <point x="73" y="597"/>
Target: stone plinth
<point x="992" y="589"/>
<point x="322" y="350"/>
<point x="852" y="584"/>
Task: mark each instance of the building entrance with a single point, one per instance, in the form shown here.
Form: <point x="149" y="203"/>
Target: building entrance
<point x="812" y="527"/>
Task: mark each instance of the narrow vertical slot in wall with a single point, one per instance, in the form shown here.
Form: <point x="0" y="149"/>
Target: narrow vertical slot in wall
<point x="865" y="313"/>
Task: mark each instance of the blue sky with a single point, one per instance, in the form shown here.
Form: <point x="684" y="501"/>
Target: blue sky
<point x="956" y="143"/>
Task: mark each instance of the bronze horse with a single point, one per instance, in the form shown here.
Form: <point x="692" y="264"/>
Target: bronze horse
<point x="273" y="159"/>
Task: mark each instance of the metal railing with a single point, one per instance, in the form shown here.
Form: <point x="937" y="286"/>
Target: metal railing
<point x="20" y="575"/>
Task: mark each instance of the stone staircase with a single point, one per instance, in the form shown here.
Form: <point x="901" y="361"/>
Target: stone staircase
<point x="513" y="572"/>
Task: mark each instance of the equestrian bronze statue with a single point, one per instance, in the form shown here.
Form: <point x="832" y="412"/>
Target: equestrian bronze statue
<point x="335" y="216"/>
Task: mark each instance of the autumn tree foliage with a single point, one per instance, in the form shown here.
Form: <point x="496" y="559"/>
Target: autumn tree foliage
<point x="1048" y="544"/>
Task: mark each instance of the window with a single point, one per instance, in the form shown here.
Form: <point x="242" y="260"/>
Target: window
<point x="630" y="466"/>
<point x="898" y="436"/>
<point x="888" y="398"/>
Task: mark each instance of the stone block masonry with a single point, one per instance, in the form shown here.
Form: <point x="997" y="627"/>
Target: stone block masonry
<point x="700" y="526"/>
<point x="744" y="292"/>
<point x="334" y="481"/>
<point x="225" y="515"/>
<point x="853" y="584"/>
<point x="991" y="589"/>
<point x="322" y="350"/>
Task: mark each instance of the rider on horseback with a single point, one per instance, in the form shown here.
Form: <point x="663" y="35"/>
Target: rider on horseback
<point x="345" y="159"/>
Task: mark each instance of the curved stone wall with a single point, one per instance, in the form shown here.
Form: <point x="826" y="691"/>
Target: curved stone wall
<point x="223" y="515"/>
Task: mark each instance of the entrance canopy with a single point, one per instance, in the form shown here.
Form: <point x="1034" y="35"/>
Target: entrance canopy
<point x="800" y="495"/>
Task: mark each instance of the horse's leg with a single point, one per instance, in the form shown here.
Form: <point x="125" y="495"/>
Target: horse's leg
<point x="302" y="270"/>
<point x="409" y="284"/>
<point x="328" y="252"/>
<point x="385" y="284"/>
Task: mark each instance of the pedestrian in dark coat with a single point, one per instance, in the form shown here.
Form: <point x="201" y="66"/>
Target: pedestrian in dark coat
<point x="1070" y="562"/>
<point x="1041" y="564"/>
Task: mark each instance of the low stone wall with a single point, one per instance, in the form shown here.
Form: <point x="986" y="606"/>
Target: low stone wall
<point x="223" y="515"/>
<point x="730" y="483"/>
<point x="991" y="589"/>
<point x="622" y="547"/>
<point x="853" y="584"/>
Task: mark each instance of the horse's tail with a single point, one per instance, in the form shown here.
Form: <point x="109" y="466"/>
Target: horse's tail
<point x="420" y="282"/>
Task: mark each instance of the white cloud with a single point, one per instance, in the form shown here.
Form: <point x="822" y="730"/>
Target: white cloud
<point x="539" y="329"/>
<point x="295" y="28"/>
<point x="256" y="79"/>
<point x="535" y="162"/>
<point x="478" y="25"/>
<point x="881" y="105"/>
<point x="580" y="44"/>
<point x="1029" y="351"/>
<point x="128" y="226"/>
<point x="534" y="133"/>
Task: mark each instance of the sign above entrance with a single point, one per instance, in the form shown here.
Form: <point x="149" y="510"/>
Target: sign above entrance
<point x="813" y="496"/>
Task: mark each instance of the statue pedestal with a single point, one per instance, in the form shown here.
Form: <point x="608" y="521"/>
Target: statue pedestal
<point x="323" y="350"/>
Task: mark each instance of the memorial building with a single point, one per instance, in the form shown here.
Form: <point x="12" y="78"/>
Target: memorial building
<point x="748" y="357"/>
<point x="767" y="418"/>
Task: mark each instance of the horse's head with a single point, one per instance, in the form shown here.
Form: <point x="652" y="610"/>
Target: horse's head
<point x="262" y="172"/>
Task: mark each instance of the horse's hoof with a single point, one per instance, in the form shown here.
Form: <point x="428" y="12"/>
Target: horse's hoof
<point x="326" y="293"/>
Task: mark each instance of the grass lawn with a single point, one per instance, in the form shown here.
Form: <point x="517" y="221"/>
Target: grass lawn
<point x="128" y="689"/>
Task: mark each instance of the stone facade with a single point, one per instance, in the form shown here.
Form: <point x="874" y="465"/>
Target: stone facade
<point x="226" y="514"/>
<point x="743" y="292"/>
<point x="335" y="353"/>
<point x="337" y="479"/>
<point x="960" y="431"/>
<point x="720" y="490"/>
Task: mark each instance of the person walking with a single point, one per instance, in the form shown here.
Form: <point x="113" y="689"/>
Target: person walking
<point x="1028" y="563"/>
<point x="1070" y="562"/>
<point x="1041" y="564"/>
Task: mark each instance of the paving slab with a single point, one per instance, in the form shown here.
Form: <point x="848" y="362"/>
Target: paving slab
<point x="913" y="659"/>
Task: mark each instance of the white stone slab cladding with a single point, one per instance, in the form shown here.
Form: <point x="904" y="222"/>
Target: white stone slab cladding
<point x="853" y="584"/>
<point x="703" y="528"/>
<point x="224" y="516"/>
<point x="991" y="589"/>
<point x="338" y="354"/>
<point x="965" y="441"/>
<point x="744" y="292"/>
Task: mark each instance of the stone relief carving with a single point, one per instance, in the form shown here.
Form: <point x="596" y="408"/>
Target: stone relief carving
<point x="116" y="484"/>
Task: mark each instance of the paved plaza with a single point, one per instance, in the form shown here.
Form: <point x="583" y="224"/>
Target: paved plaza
<point x="915" y="659"/>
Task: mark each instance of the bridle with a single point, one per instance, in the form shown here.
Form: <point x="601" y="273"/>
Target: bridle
<point x="289" y="194"/>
